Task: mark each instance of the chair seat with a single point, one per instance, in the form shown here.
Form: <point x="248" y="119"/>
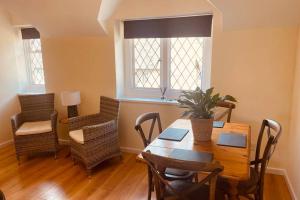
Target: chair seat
<point x="250" y="185"/>
<point x="77" y="136"/>
<point x="200" y="193"/>
<point x="175" y="174"/>
<point x="244" y="187"/>
<point x="37" y="127"/>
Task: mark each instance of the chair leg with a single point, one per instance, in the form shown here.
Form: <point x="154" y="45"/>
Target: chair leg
<point x="18" y="159"/>
<point x="55" y="155"/>
<point x="74" y="160"/>
<point x="89" y="172"/>
<point x="150" y="184"/>
<point x="196" y="177"/>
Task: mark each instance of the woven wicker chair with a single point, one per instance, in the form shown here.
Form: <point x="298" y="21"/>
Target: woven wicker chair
<point x="34" y="129"/>
<point x="94" y="138"/>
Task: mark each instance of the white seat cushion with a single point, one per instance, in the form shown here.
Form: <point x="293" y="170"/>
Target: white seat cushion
<point x="77" y="136"/>
<point x="29" y="128"/>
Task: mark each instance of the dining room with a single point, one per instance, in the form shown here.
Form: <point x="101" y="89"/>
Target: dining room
<point x="137" y="99"/>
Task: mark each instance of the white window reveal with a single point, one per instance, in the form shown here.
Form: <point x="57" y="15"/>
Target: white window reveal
<point x="165" y="62"/>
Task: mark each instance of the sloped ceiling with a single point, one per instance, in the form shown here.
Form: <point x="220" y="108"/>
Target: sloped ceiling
<point x="56" y="18"/>
<point x="239" y="14"/>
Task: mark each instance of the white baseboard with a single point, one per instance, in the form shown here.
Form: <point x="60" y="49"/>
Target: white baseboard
<point x="284" y="173"/>
<point x="290" y="186"/>
<point x="131" y="150"/>
<point x="8" y="142"/>
<point x="277" y="171"/>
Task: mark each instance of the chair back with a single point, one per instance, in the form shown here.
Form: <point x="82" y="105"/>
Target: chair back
<point x="109" y="108"/>
<point x="37" y="107"/>
<point x="228" y="105"/>
<point x="153" y="116"/>
<point x="158" y="165"/>
<point x="272" y="130"/>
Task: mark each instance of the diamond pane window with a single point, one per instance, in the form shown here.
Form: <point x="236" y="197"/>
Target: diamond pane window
<point x="34" y="61"/>
<point x="147" y="63"/>
<point x="186" y="63"/>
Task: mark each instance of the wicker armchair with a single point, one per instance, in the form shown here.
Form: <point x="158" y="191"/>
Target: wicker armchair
<point x="34" y="129"/>
<point x="94" y="138"/>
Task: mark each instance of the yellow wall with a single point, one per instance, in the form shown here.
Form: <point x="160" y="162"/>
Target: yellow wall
<point x="8" y="77"/>
<point x="293" y="163"/>
<point x="256" y="66"/>
<point x="84" y="64"/>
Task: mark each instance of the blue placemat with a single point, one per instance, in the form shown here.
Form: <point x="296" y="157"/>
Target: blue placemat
<point x="218" y="124"/>
<point x="233" y="140"/>
<point x="174" y="134"/>
<point x="189" y="155"/>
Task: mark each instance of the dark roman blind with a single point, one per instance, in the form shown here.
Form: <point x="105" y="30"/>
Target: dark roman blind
<point x="30" y="33"/>
<point x="192" y="26"/>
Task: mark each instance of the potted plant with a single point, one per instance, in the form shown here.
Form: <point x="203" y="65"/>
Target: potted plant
<point x="200" y="105"/>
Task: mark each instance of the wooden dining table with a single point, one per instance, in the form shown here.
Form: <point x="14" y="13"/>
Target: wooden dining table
<point x="235" y="160"/>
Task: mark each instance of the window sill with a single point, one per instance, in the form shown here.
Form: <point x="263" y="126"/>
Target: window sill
<point x="150" y="100"/>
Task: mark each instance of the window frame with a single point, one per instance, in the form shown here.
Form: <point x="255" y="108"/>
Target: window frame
<point x="130" y="91"/>
<point x="31" y="86"/>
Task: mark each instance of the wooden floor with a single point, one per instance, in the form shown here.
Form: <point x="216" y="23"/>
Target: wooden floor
<point x="45" y="178"/>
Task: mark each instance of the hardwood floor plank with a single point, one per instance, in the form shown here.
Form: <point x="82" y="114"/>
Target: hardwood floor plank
<point x="42" y="177"/>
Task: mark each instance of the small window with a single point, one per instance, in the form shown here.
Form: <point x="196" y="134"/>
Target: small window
<point x="176" y="58"/>
<point x="34" y="61"/>
<point x="33" y="56"/>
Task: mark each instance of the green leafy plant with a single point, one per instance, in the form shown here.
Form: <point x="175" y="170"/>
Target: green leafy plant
<point x="200" y="104"/>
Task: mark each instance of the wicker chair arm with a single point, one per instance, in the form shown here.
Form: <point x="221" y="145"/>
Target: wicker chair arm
<point x="104" y="130"/>
<point x="81" y="121"/>
<point x="53" y="118"/>
<point x="16" y="122"/>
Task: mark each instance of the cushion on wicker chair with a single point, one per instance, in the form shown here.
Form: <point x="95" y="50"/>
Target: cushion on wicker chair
<point x="37" y="127"/>
<point x="77" y="136"/>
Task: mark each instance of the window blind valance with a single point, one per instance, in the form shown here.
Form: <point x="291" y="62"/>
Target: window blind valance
<point x="30" y="33"/>
<point x="193" y="26"/>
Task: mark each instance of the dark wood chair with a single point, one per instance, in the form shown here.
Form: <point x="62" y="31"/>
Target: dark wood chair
<point x="254" y="187"/>
<point x="182" y="189"/>
<point x="229" y="107"/>
<point x="171" y="174"/>
<point x="2" y="197"/>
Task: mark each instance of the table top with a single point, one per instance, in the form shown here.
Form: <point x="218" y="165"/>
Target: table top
<point x="235" y="160"/>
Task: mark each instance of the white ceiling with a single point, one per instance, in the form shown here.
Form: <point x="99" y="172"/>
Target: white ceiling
<point x="56" y="18"/>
